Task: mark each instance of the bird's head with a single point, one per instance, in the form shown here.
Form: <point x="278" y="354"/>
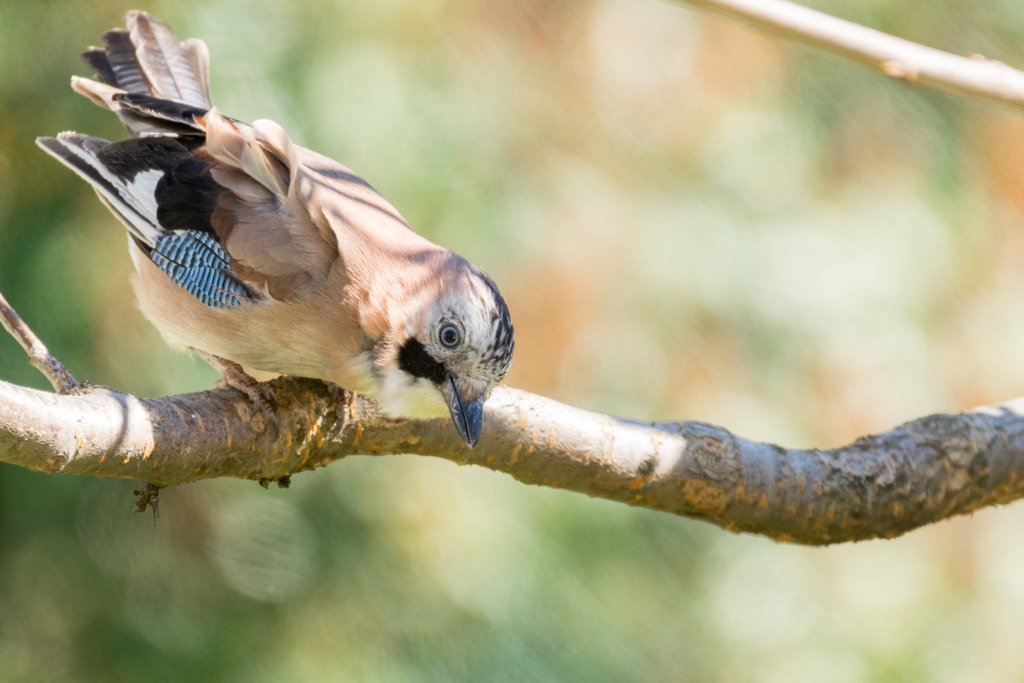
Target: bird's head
<point x="451" y="352"/>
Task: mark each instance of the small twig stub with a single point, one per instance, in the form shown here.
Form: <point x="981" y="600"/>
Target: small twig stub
<point x="38" y="355"/>
<point x="148" y="497"/>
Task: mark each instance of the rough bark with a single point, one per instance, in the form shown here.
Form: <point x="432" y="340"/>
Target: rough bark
<point x="879" y="486"/>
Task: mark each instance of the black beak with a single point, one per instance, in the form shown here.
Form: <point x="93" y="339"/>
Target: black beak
<point x="467" y="416"/>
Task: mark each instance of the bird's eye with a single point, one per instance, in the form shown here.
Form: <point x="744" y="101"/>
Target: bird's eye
<point x="450" y="336"/>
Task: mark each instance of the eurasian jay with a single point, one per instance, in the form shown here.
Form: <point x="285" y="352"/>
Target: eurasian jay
<point x="255" y="252"/>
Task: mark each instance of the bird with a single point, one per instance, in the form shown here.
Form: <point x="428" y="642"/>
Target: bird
<point x="254" y="252"/>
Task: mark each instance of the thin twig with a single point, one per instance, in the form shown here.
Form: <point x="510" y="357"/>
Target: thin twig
<point x="38" y="355"/>
<point x="895" y="57"/>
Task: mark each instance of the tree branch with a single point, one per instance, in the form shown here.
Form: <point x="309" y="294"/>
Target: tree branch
<point x="895" y="57"/>
<point x="880" y="486"/>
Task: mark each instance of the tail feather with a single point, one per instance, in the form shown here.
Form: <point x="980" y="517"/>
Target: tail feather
<point x="142" y="114"/>
<point x="198" y="56"/>
<point x="154" y="83"/>
<point x="163" y="60"/>
<point x="99" y="92"/>
<point x="131" y="199"/>
<point x="96" y="57"/>
<point x="127" y="70"/>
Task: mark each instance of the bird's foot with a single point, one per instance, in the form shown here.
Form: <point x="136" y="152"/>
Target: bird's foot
<point x="257" y="391"/>
<point x="232" y="375"/>
<point x="342" y="400"/>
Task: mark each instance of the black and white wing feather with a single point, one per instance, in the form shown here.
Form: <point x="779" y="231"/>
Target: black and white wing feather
<point x="164" y="194"/>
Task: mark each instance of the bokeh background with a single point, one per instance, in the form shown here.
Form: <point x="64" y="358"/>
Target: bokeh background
<point x="689" y="218"/>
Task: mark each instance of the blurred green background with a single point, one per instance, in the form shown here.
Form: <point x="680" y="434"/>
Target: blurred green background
<point x="689" y="219"/>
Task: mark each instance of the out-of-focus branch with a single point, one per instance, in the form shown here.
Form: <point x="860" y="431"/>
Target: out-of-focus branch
<point x="38" y="355"/>
<point x="895" y="57"/>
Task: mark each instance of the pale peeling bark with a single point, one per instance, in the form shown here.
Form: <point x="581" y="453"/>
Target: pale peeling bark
<point x="880" y="486"/>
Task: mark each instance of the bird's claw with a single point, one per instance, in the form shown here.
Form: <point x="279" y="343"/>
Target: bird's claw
<point x="268" y="395"/>
<point x="260" y="393"/>
<point x="232" y="375"/>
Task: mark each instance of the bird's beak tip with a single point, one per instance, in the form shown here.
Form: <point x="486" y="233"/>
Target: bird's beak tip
<point x="467" y="416"/>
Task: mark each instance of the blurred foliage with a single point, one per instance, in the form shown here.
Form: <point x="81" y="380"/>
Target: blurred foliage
<point x="689" y="219"/>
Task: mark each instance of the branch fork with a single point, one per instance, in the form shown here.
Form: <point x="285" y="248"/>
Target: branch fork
<point x="38" y="355"/>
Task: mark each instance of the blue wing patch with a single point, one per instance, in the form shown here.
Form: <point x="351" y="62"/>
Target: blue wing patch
<point x="197" y="262"/>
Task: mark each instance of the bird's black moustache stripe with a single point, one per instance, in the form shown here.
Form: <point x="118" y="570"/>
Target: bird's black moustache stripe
<point x="414" y="359"/>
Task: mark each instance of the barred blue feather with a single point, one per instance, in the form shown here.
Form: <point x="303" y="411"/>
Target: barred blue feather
<point x="196" y="261"/>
